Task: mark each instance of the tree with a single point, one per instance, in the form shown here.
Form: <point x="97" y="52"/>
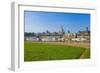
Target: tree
<point x="87" y="29"/>
<point x="29" y="34"/>
<point x="68" y="31"/>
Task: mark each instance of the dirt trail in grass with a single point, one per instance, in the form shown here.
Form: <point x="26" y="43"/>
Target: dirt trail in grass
<point x="85" y="54"/>
<point x="77" y="44"/>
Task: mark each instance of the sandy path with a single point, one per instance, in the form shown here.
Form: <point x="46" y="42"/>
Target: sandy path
<point x="78" y="44"/>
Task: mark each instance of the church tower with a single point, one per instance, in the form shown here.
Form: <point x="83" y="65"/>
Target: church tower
<point x="62" y="32"/>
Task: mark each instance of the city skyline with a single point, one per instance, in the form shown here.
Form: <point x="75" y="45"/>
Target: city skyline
<point x="39" y="22"/>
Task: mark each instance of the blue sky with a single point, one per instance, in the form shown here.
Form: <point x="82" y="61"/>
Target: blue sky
<point x="52" y="21"/>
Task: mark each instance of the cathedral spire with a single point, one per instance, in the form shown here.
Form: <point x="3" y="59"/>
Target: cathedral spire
<point x="62" y="30"/>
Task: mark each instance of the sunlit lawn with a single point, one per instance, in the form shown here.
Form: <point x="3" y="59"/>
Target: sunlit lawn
<point x="36" y="51"/>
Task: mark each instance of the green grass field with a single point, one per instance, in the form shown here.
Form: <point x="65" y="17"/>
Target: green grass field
<point x="36" y="51"/>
